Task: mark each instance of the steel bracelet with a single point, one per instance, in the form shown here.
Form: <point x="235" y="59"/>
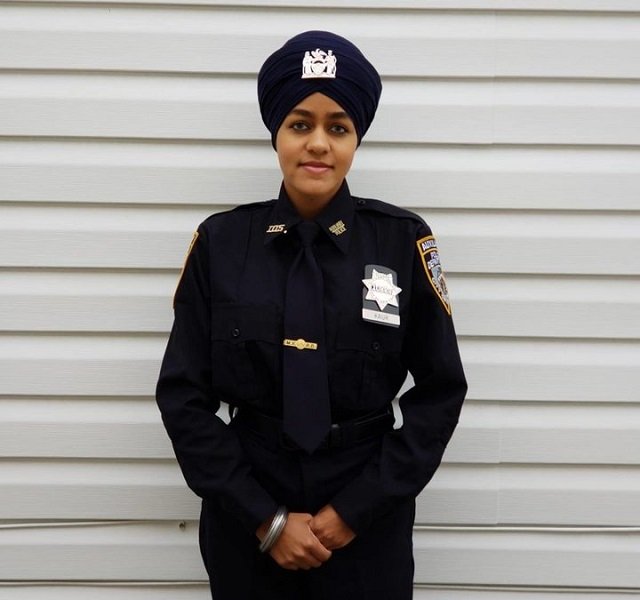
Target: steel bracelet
<point x="275" y="529"/>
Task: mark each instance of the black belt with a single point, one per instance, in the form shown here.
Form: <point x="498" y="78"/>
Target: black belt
<point x="341" y="435"/>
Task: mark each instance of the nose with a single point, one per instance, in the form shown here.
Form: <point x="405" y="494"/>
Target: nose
<point x="318" y="141"/>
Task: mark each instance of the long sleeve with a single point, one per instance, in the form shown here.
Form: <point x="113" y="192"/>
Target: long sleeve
<point x="208" y="451"/>
<point x="409" y="456"/>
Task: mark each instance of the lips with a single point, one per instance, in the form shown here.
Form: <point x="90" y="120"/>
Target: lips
<point x="315" y="167"/>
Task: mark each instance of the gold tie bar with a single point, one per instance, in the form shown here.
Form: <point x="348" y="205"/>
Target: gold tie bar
<point x="300" y="344"/>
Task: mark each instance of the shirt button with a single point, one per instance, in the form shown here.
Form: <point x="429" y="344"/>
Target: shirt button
<point x="235" y="332"/>
<point x="361" y="202"/>
<point x="375" y="346"/>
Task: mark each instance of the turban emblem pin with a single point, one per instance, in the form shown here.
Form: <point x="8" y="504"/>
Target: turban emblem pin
<point x="318" y="64"/>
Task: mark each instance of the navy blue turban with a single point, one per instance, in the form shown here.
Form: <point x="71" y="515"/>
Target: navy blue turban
<point x="318" y="61"/>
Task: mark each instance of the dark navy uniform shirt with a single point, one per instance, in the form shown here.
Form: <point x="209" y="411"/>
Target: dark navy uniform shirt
<point x="226" y="345"/>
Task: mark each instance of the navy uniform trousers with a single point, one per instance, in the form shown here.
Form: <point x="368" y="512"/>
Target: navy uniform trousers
<point x="378" y="565"/>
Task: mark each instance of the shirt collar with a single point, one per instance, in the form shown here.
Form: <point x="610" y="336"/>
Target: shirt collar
<point x="282" y="217"/>
<point x="336" y="220"/>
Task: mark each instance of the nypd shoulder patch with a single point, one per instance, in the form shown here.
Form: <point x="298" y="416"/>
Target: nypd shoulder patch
<point x="194" y="239"/>
<point x="430" y="256"/>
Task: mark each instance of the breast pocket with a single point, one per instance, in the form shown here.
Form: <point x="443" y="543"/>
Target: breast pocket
<point x="366" y="369"/>
<point x="245" y="352"/>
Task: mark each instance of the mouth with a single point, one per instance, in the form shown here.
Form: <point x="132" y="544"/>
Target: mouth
<point x="315" y="167"/>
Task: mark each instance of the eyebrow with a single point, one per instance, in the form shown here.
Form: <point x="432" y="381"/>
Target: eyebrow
<point x="307" y="113"/>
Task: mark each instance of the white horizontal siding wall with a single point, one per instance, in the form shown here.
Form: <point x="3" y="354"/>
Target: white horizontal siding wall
<point x="512" y="126"/>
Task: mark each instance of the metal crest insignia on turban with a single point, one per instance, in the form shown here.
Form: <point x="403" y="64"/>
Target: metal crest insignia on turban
<point x="318" y="64"/>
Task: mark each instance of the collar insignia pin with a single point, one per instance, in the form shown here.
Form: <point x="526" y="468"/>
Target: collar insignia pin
<point x="276" y="228"/>
<point x="338" y="228"/>
<point x="318" y="64"/>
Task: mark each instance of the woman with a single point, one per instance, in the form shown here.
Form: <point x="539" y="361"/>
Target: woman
<point x="304" y="314"/>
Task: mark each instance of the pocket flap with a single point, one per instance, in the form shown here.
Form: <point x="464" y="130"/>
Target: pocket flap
<point x="243" y="322"/>
<point x="368" y="337"/>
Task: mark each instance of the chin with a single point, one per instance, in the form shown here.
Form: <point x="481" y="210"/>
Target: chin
<point x="318" y="190"/>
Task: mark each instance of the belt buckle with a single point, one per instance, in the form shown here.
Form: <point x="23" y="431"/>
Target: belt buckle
<point x="335" y="439"/>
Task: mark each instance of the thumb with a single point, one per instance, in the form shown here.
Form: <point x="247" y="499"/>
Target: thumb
<point x="306" y="517"/>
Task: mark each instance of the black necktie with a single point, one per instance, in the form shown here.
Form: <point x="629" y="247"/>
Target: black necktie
<point x="306" y="410"/>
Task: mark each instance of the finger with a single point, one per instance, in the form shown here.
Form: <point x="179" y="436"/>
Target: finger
<point x="319" y="552"/>
<point x="285" y="563"/>
<point x="310" y="562"/>
<point x="331" y="545"/>
<point x="336" y="545"/>
<point x="304" y="561"/>
<point x="316" y="529"/>
<point x="326" y="540"/>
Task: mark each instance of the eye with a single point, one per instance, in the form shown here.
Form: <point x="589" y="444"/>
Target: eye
<point x="339" y="129"/>
<point x="299" y="126"/>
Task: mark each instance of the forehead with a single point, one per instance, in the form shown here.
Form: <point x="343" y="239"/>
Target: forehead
<point x="320" y="105"/>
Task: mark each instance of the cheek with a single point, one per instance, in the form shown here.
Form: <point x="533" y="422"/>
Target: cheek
<point x="346" y="157"/>
<point x="282" y="147"/>
<point x="284" y="157"/>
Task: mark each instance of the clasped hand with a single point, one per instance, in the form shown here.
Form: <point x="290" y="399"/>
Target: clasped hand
<point x="307" y="540"/>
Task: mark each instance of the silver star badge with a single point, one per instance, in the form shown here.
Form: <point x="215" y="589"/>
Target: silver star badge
<point x="381" y="289"/>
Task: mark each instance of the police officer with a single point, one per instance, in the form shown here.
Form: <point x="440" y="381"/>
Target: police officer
<point x="304" y="314"/>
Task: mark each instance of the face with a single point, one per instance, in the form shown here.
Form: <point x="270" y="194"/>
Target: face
<point x="315" y="145"/>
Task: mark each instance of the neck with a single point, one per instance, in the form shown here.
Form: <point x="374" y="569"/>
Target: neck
<point x="309" y="210"/>
<point x="309" y="207"/>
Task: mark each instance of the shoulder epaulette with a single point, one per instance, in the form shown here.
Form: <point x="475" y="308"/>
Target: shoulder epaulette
<point x="364" y="204"/>
<point x="253" y="205"/>
<point x="239" y="208"/>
